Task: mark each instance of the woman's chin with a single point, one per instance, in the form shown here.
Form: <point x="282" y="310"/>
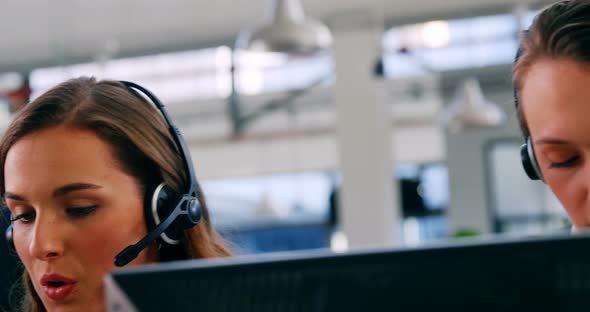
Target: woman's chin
<point x="74" y="307"/>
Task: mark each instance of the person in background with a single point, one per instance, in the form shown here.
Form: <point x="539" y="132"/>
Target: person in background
<point x="551" y="78"/>
<point x="79" y="165"/>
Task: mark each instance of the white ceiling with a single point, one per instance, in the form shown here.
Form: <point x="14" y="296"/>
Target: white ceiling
<point x="37" y="32"/>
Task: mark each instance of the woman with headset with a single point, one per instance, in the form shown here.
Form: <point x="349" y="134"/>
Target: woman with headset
<point x="96" y="176"/>
<point x="551" y="79"/>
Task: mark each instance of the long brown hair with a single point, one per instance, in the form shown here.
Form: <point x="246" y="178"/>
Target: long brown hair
<point x="562" y="30"/>
<point x="140" y="141"/>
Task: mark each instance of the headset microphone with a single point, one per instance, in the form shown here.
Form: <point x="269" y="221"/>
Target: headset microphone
<point x="132" y="251"/>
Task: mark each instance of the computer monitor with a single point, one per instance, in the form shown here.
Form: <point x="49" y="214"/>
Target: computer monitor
<point x="549" y="273"/>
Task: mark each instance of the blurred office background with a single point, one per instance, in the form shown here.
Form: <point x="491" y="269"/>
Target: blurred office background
<point x="313" y="124"/>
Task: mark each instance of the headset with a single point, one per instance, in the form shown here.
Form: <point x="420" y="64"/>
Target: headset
<point x="167" y="212"/>
<point x="529" y="160"/>
<point x="527" y="150"/>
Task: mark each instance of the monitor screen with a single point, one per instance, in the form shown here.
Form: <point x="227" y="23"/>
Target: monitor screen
<point x="547" y="273"/>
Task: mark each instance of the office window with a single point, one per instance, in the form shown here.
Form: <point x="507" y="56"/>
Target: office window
<point x="197" y="74"/>
<point x="444" y="45"/>
<point x="518" y="204"/>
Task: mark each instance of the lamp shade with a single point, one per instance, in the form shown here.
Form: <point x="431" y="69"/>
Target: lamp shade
<point x="470" y="109"/>
<point x="289" y="31"/>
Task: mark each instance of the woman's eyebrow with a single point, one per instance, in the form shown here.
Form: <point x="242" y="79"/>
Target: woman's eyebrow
<point x="60" y="191"/>
<point x="551" y="141"/>
<point x="73" y="187"/>
<point x="14" y="196"/>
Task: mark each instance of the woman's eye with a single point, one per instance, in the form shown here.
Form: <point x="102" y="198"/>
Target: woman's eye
<point x="564" y="164"/>
<point x="27" y="217"/>
<point x="80" y="212"/>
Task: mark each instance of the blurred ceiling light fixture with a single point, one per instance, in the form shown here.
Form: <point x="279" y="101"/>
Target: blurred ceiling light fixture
<point x="470" y="109"/>
<point x="430" y="35"/>
<point x="435" y="34"/>
<point x="256" y="59"/>
<point x="289" y="31"/>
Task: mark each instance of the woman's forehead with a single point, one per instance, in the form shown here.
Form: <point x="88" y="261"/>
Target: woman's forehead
<point x="58" y="156"/>
<point x="555" y="99"/>
<point x="60" y="144"/>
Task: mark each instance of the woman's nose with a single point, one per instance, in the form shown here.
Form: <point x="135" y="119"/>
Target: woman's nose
<point x="47" y="242"/>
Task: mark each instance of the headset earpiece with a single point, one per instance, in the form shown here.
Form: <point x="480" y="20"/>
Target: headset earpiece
<point x="194" y="212"/>
<point x="159" y="202"/>
<point x="529" y="160"/>
<point x="9" y="237"/>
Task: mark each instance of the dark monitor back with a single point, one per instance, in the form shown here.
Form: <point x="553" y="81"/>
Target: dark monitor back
<point x="546" y="274"/>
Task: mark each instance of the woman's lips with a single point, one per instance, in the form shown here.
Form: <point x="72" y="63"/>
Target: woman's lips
<point x="57" y="287"/>
<point x="60" y="292"/>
